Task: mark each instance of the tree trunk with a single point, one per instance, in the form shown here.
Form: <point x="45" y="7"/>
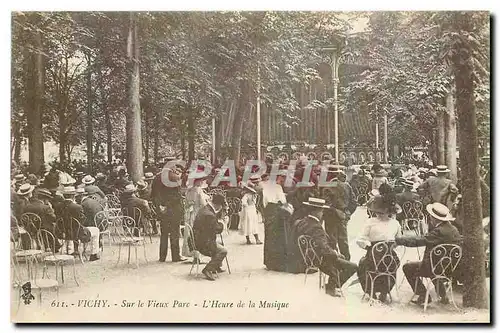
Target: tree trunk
<point x="451" y="136"/>
<point x="183" y="144"/>
<point x="156" y="137"/>
<point x="34" y="107"/>
<point x="90" y="131"/>
<point x="240" y="115"/>
<point x="440" y="138"/>
<point x="218" y="138"/>
<point x="133" y="126"/>
<point x="146" y="113"/>
<point x="475" y="294"/>
<point x="191" y="133"/>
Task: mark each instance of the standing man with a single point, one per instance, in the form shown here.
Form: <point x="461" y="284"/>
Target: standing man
<point x="337" y="215"/>
<point x="205" y="229"/>
<point x="168" y="202"/>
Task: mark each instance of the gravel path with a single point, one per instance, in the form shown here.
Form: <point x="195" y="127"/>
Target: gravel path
<point x="165" y="292"/>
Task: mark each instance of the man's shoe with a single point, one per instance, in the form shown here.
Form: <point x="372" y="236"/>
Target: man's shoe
<point x="208" y="274"/>
<point x="258" y="242"/>
<point x="93" y="257"/>
<point x="444" y="300"/>
<point x="382" y="297"/>
<point x="335" y="292"/>
<point x="179" y="259"/>
<point x="421" y="300"/>
<point x="249" y="242"/>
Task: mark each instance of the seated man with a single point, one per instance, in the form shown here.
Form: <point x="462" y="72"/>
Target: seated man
<point x="130" y="203"/>
<point x="332" y="261"/>
<point x="72" y="211"/>
<point x="205" y="229"/>
<point x="441" y="231"/>
<point x="91" y="188"/>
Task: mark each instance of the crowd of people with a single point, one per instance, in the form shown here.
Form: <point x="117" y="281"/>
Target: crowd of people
<point x="67" y="205"/>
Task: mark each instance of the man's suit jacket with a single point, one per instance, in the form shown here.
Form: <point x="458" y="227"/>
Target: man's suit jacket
<point x="93" y="189"/>
<point x="69" y="211"/>
<point x="205" y="229"/>
<point x="406" y="196"/>
<point x="443" y="233"/>
<point x="435" y="187"/>
<point x="130" y="202"/>
<point x="311" y="227"/>
<point x="46" y="213"/>
<point x="90" y="208"/>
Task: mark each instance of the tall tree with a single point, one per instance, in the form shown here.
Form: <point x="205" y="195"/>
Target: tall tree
<point x="133" y="127"/>
<point x="463" y="34"/>
<point x="35" y="74"/>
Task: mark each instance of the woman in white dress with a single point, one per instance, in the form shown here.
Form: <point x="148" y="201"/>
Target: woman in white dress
<point x="249" y="218"/>
<point x="196" y="199"/>
<point x="381" y="228"/>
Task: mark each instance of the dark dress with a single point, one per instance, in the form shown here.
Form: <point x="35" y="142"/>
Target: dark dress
<point x="275" y="240"/>
<point x="388" y="262"/>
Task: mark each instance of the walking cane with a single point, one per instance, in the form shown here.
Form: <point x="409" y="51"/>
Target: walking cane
<point x="227" y="261"/>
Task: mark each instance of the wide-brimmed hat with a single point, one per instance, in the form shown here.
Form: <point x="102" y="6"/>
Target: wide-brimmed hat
<point x="88" y="179"/>
<point x="316" y="202"/>
<point x="334" y="168"/>
<point x="249" y="188"/>
<point x="442" y="169"/>
<point x="130" y="188"/>
<point x="69" y="190"/>
<point x="25" y="189"/>
<point x="141" y="185"/>
<point x="44" y="193"/>
<point x="439" y="211"/>
<point x="149" y="176"/>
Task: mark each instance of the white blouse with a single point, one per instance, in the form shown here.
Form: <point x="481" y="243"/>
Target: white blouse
<point x="377" y="230"/>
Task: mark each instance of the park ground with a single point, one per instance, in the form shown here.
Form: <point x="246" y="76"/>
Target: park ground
<point x="249" y="283"/>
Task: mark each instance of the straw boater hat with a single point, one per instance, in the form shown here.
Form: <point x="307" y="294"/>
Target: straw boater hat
<point x="44" y="193"/>
<point x="409" y="183"/>
<point x="25" y="189"/>
<point x="250" y="189"/>
<point x="80" y="190"/>
<point x="141" y="185"/>
<point x="440" y="212"/>
<point x="316" y="202"/>
<point x="130" y="188"/>
<point x="255" y="179"/>
<point x="88" y="179"/>
<point x="433" y="172"/>
<point x="149" y="176"/>
<point x="69" y="190"/>
<point x="19" y="177"/>
<point x="100" y="175"/>
<point x="442" y="169"/>
<point x="375" y="192"/>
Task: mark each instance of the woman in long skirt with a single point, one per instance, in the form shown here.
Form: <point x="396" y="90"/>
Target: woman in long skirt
<point x="249" y="218"/>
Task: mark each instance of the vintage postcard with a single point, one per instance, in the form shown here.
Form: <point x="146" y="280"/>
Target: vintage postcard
<point x="260" y="167"/>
